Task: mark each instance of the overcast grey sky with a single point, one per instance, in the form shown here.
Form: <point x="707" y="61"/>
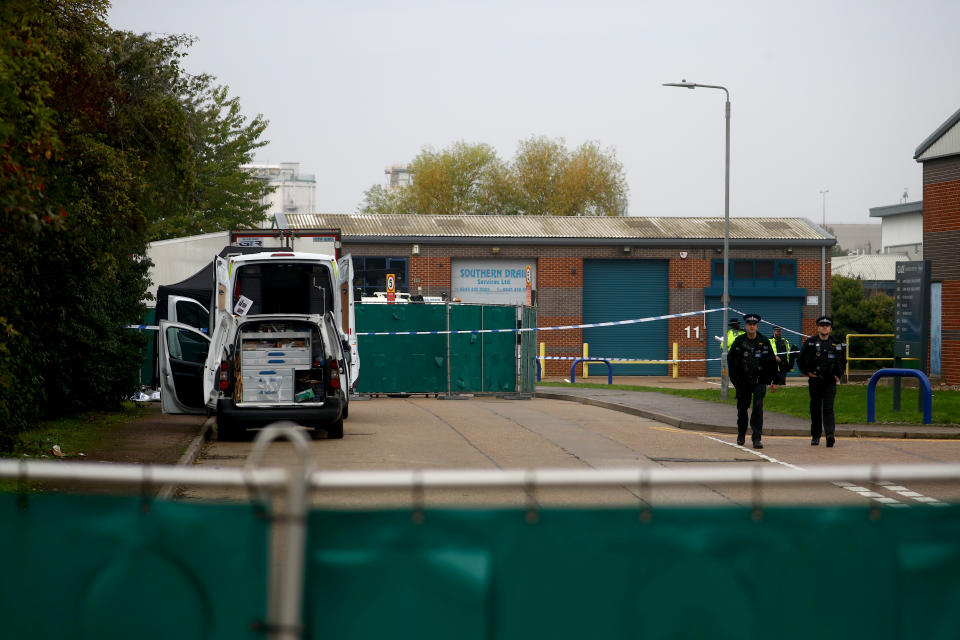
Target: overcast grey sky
<point x="825" y="95"/>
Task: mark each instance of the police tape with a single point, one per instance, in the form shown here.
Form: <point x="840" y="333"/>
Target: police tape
<point x="796" y="333"/>
<point x="612" y="323"/>
<point x="621" y="360"/>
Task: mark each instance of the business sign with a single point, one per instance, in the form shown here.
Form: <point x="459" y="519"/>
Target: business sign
<point x="494" y="281"/>
<point x="912" y="309"/>
<point x="528" y="274"/>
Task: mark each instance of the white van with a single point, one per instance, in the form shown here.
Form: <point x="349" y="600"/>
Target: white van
<point x="283" y="346"/>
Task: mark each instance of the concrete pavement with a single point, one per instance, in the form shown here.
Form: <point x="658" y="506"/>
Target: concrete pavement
<point x="703" y="415"/>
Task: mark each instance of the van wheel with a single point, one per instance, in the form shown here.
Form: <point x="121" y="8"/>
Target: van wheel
<point x="227" y="431"/>
<point x="346" y="409"/>
<point x="335" y="430"/>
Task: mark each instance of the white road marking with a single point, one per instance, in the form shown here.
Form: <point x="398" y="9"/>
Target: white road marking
<point x="753" y="451"/>
<point x="862" y="491"/>
<point x="909" y="493"/>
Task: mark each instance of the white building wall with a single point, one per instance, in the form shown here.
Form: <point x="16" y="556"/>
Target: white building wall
<point x="295" y="192"/>
<point x="902" y="231"/>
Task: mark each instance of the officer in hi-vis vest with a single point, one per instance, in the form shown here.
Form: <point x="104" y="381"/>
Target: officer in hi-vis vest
<point x="784" y="354"/>
<point x="733" y="332"/>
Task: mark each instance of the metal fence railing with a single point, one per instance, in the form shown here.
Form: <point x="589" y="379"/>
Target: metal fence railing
<point x="298" y="578"/>
<point x="850" y="337"/>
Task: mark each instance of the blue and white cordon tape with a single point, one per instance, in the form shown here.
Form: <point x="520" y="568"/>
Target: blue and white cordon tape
<point x="613" y="323"/>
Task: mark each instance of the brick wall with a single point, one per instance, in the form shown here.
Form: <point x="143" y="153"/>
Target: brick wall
<point x="950" y="353"/>
<point x="688" y="278"/>
<point x="560" y="286"/>
<point x="430" y="272"/>
<point x="941" y="237"/>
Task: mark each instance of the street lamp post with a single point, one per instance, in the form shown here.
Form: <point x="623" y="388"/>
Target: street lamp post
<point x="724" y="374"/>
<point x="823" y="199"/>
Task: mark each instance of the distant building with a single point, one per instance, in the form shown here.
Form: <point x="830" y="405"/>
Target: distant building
<point x="295" y="192"/>
<point x="877" y="273"/>
<point x="398" y="175"/>
<point x="856" y="238"/>
<point x="901" y="228"/>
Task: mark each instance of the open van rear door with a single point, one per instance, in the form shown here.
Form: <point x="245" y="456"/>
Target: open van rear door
<point x="224" y="321"/>
<point x="183" y="352"/>
<point x="348" y="318"/>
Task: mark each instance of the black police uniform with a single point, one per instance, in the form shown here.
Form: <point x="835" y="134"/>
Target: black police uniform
<point x="752" y="366"/>
<point x="825" y="359"/>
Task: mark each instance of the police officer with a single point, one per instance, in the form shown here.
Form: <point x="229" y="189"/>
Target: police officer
<point x="784" y="354"/>
<point x="822" y="361"/>
<point x="752" y="367"/>
<point x="733" y="332"/>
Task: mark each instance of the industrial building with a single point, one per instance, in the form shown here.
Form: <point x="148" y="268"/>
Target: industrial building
<point x="294" y="192"/>
<point x="589" y="270"/>
<point x="940" y="156"/>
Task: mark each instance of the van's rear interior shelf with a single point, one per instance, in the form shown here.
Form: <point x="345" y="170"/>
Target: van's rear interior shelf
<point x="276" y="365"/>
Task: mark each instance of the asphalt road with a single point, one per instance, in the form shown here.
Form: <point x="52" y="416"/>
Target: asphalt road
<point x="491" y="433"/>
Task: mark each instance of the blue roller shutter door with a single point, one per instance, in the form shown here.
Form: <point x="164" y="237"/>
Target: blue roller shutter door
<point x="626" y="290"/>
<point x="782" y="311"/>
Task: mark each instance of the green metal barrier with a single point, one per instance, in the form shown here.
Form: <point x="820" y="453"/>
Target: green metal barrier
<point x="454" y="363"/>
<point x="528" y="352"/>
<point x="687" y="573"/>
<point x="106" y="567"/>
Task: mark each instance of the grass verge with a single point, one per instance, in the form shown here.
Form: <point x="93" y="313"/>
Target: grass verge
<point x="74" y="435"/>
<point x="850" y="406"/>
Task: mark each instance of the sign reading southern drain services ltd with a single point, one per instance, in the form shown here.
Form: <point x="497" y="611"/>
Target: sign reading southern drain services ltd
<point x="492" y="281"/>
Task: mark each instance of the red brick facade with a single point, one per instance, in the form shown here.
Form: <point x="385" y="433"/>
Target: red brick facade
<point x="941" y="237"/>
<point x="560" y="286"/>
<point x="950" y="352"/>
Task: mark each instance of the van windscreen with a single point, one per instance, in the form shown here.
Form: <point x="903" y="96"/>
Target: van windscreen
<point x="285" y="288"/>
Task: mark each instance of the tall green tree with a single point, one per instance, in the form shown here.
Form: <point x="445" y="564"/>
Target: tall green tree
<point x="854" y="312"/>
<point x="544" y="178"/>
<point x="106" y="144"/>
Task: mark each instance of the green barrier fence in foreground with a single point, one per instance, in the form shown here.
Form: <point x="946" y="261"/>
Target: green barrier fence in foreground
<point x="687" y="573"/>
<point x="102" y="567"/>
<point x="106" y="567"/>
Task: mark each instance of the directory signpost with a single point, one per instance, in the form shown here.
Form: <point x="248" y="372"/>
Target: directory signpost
<point x="911" y="317"/>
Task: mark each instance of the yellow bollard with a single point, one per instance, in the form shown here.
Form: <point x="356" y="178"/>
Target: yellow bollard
<point x="586" y="354"/>
<point x="676" y="356"/>
<point x="543" y="363"/>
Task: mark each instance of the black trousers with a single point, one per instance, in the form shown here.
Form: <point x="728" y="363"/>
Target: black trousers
<point x="747" y="393"/>
<point x="822" y="395"/>
<point x="782" y="376"/>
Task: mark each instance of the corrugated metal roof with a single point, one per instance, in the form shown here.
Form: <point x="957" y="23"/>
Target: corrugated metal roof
<point x="951" y="147"/>
<point x="627" y="228"/>
<point x="867" y="267"/>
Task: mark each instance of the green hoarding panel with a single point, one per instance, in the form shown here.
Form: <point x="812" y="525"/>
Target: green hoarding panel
<point x="528" y="352"/>
<point x="500" y="350"/>
<point x="466" y="349"/>
<point x="105" y="567"/>
<point x="686" y="573"/>
<point x="477" y="362"/>
<point x="402" y="364"/>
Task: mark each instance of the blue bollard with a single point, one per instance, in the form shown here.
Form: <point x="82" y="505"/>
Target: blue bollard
<point x="926" y="390"/>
